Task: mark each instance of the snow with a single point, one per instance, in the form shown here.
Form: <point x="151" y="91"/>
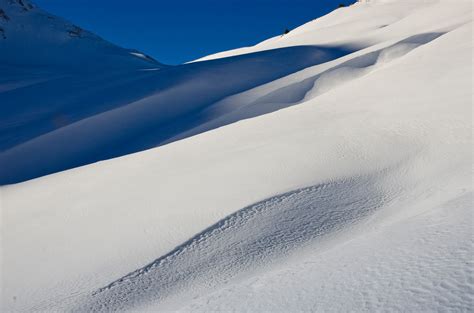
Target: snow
<point x="109" y="114"/>
<point x="35" y="38"/>
<point x="426" y="274"/>
<point x="333" y="178"/>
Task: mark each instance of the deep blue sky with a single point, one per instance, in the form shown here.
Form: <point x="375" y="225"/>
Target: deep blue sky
<point x="177" y="31"/>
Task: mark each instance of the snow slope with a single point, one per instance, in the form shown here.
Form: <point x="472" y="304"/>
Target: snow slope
<point x="341" y="183"/>
<point x="132" y="107"/>
<point x="86" y="119"/>
<point x="107" y="101"/>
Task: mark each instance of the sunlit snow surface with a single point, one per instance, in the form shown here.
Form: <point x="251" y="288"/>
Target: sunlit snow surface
<point x="326" y="170"/>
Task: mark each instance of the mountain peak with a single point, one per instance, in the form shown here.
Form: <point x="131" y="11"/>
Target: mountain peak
<point x="30" y="36"/>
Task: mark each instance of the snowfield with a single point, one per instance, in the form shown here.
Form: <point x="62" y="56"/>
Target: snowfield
<point x="326" y="170"/>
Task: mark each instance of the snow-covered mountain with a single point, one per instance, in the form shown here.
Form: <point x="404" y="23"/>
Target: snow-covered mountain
<point x="329" y="170"/>
<point x="31" y="37"/>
